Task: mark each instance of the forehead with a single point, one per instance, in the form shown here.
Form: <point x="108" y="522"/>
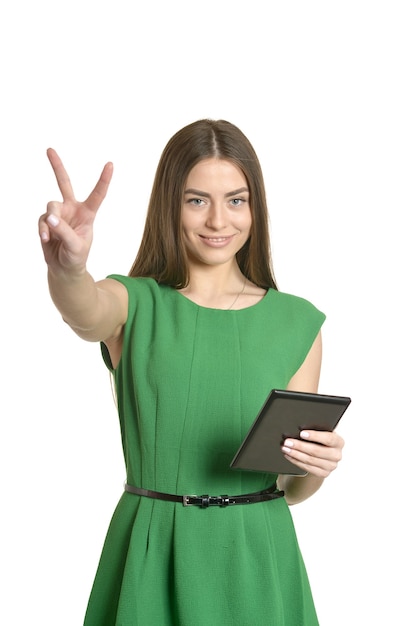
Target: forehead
<point x="216" y="173"/>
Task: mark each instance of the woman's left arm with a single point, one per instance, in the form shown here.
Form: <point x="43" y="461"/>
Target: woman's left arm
<point x="319" y="452"/>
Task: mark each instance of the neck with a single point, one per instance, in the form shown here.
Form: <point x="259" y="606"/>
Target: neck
<point x="215" y="280"/>
<point x="215" y="286"/>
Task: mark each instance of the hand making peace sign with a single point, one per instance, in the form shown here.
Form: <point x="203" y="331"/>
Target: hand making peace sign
<point x="66" y="229"/>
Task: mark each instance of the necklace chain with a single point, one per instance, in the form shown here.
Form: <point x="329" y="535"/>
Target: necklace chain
<point x="238" y="295"/>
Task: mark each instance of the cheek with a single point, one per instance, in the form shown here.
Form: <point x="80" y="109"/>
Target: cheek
<point x="246" y="221"/>
<point x="186" y="222"/>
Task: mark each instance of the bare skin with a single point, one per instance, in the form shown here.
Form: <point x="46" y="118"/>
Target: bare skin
<point x="216" y="227"/>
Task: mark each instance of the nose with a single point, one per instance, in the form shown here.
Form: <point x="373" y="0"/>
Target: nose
<point x="217" y="216"/>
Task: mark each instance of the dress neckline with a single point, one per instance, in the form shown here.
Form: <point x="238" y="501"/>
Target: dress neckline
<point x="209" y="308"/>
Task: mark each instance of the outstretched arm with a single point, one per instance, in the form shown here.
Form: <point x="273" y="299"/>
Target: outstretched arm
<point x="319" y="452"/>
<point x="95" y="311"/>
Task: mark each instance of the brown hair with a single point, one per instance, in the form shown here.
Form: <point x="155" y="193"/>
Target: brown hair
<point x="162" y="253"/>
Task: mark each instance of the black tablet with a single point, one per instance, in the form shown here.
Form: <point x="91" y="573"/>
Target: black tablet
<point x="285" y="414"/>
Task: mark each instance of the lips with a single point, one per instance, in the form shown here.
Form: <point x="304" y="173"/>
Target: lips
<point x="216" y="241"/>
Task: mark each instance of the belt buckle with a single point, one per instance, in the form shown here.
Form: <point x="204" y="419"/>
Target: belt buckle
<point x="206" y="500"/>
<point x="186" y="499"/>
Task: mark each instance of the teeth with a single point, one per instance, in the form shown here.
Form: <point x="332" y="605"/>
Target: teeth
<point x="217" y="238"/>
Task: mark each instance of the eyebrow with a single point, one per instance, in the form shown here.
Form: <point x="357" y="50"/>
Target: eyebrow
<point x="204" y="194"/>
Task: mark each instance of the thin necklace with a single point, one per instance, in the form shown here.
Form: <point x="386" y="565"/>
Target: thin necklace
<point x="238" y="295"/>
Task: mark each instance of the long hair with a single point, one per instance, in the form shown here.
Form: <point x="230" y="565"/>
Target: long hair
<point x="162" y="254"/>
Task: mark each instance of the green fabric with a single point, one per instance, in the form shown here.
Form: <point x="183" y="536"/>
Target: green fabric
<point x="189" y="384"/>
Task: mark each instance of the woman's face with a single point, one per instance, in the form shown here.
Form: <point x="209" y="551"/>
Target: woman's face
<point x="216" y="215"/>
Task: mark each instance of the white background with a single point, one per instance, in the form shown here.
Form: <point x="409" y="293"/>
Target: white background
<point x="326" y="92"/>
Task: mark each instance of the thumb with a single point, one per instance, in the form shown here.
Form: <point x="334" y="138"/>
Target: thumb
<point x="63" y="232"/>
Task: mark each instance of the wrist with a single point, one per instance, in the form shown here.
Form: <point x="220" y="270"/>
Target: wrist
<point x="72" y="274"/>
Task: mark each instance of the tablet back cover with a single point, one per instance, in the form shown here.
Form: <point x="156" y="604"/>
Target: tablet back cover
<point x="284" y="414"/>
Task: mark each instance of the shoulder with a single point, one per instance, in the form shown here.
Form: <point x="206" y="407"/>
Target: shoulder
<point x="130" y="282"/>
<point x="133" y="285"/>
<point x="293" y="304"/>
<point x="141" y="294"/>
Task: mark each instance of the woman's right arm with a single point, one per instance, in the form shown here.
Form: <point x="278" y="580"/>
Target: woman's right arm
<point x="96" y="311"/>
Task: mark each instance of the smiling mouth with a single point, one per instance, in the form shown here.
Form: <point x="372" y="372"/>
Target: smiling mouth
<point x="216" y="242"/>
<point x="216" y="239"/>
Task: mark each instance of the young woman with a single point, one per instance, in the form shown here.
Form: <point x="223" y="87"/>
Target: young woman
<point x="196" y="336"/>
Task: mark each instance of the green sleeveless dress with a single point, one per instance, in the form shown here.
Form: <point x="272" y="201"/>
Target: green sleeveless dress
<point x="190" y="382"/>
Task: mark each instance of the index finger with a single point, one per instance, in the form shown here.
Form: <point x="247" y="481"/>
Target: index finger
<point x="61" y="175"/>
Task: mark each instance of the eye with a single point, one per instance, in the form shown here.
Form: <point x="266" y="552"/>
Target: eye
<point x="195" y="201"/>
<point x="237" y="201"/>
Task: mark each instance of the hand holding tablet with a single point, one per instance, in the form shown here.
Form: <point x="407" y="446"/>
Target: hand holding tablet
<point x="285" y="414"/>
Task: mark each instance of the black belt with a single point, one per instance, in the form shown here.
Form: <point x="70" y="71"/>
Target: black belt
<point x="204" y="501"/>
